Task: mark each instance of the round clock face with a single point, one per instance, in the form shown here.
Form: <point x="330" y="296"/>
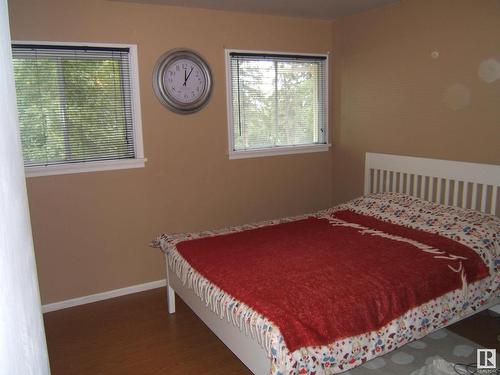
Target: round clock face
<point x="182" y="81"/>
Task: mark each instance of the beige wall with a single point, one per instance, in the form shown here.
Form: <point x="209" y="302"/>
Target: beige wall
<point x="393" y="97"/>
<point x="92" y="230"/>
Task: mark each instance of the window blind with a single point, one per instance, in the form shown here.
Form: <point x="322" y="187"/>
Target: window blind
<point x="278" y="100"/>
<point x="74" y="103"/>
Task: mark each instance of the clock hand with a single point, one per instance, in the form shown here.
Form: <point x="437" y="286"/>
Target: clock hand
<point x="185" y="78"/>
<point x="191" y="71"/>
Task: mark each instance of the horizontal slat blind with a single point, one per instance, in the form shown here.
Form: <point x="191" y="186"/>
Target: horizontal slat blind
<point x="278" y="100"/>
<point x="74" y="103"/>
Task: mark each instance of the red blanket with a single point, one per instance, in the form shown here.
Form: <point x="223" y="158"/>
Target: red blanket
<point x="320" y="282"/>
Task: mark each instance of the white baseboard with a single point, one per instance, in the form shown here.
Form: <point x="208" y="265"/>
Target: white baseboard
<point x="102" y="296"/>
<point x="128" y="290"/>
<point x="495" y="308"/>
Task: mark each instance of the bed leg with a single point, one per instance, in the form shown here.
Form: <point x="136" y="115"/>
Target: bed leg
<point x="170" y="300"/>
<point x="170" y="291"/>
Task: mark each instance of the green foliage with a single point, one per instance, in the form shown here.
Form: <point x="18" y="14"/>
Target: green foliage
<point x="38" y="107"/>
<point x="276" y="103"/>
<point x="71" y="110"/>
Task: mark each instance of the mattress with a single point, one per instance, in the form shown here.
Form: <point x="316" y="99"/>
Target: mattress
<point x="398" y="225"/>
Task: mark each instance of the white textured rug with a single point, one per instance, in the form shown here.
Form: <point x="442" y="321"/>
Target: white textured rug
<point x="439" y="366"/>
<point x="417" y="354"/>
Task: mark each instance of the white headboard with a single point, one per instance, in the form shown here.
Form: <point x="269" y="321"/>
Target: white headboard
<point x="447" y="182"/>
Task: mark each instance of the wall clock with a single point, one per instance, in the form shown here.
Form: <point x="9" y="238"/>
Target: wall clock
<point x="182" y="81"/>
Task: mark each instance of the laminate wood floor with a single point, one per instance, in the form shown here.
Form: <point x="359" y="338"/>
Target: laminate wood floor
<point x="135" y="335"/>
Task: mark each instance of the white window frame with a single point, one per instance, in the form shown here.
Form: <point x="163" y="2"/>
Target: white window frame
<point x="277" y="150"/>
<point x="139" y="160"/>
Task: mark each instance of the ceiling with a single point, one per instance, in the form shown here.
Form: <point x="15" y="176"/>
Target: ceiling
<point x="323" y="9"/>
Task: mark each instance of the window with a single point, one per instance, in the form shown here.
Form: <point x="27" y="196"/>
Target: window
<point x="277" y="103"/>
<point x="78" y="107"/>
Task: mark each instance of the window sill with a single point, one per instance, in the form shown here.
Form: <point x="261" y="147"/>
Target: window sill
<point x="278" y="151"/>
<point x="94" y="166"/>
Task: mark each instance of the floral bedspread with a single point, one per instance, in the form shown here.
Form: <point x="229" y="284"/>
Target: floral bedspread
<point x="477" y="231"/>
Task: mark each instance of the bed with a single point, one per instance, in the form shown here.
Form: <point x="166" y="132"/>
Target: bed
<point x="409" y="202"/>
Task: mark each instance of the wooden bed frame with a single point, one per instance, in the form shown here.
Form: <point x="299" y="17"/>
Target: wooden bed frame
<point x="451" y="183"/>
